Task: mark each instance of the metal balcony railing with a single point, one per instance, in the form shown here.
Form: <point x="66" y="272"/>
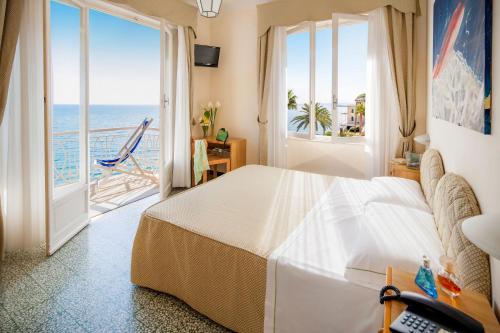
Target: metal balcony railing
<point x="104" y="143"/>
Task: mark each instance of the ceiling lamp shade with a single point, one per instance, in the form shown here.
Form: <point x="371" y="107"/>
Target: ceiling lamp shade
<point x="209" y="8"/>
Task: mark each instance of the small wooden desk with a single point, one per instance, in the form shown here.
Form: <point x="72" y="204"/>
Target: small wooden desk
<point x="237" y="150"/>
<point x="474" y="304"/>
<point x="402" y="171"/>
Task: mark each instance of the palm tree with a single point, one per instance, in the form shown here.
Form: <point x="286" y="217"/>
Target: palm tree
<point x="323" y="117"/>
<point x="292" y="100"/>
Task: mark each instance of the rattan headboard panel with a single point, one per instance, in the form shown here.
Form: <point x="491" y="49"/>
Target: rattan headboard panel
<point x="431" y="171"/>
<point x="453" y="202"/>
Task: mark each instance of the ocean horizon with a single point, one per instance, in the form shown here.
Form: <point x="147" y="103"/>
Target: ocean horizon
<point x="65" y="117"/>
<point x="106" y="145"/>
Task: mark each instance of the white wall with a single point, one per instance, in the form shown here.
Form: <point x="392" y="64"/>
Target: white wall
<point x="201" y="75"/>
<point x="471" y="154"/>
<point x="234" y="83"/>
<point x="345" y="160"/>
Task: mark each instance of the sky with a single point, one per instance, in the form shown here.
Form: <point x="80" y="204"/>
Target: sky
<point x="353" y="43"/>
<point x="124" y="59"/>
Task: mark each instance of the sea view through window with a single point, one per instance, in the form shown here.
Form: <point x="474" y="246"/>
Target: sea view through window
<point x="124" y="86"/>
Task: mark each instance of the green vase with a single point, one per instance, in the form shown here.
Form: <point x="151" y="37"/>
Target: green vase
<point x="205" y="131"/>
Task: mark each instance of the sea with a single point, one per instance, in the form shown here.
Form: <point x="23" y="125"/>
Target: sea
<point x="102" y="145"/>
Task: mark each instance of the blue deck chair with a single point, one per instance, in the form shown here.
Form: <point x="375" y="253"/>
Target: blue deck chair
<point x="127" y="152"/>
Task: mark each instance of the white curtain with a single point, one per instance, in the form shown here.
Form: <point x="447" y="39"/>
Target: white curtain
<point x="22" y="182"/>
<point x="382" y="133"/>
<point x="277" y="102"/>
<point x="182" y="127"/>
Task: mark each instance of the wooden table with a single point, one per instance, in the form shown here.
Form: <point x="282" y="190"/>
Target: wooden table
<point x="402" y="171"/>
<point x="237" y="150"/>
<point x="472" y="303"/>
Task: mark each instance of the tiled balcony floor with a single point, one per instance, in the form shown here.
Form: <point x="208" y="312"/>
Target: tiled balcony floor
<point x="118" y="191"/>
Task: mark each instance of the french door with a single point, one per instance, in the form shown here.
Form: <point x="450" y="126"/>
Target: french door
<point x="67" y="122"/>
<point x="167" y="37"/>
<point x="66" y="154"/>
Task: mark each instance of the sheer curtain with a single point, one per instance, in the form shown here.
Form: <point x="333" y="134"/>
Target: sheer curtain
<point x="382" y="119"/>
<point x="273" y="98"/>
<point x="182" y="113"/>
<point x="22" y="184"/>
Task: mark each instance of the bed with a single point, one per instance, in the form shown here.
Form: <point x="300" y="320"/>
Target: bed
<point x="267" y="249"/>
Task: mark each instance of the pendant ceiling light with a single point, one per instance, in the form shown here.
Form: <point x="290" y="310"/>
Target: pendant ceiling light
<point x="209" y="8"/>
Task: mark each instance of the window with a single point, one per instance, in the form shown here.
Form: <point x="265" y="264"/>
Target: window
<point x="326" y="77"/>
<point x="297" y="80"/>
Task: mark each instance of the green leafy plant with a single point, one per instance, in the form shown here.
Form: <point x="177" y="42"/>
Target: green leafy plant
<point x="209" y="113"/>
<point x="292" y="100"/>
<point x="323" y="117"/>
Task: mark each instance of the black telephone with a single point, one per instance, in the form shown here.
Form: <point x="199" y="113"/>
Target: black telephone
<point x="426" y="315"/>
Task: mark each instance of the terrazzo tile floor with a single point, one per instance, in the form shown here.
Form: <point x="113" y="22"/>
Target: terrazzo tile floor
<point x="85" y="286"/>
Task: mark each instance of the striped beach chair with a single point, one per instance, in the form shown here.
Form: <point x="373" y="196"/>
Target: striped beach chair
<point x="113" y="165"/>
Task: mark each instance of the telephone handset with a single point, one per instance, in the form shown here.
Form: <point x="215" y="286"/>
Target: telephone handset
<point x="426" y="315"/>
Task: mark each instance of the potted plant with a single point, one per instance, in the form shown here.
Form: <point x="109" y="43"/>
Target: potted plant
<point x="210" y="112"/>
<point x="205" y="123"/>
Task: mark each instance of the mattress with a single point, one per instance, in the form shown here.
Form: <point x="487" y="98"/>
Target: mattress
<point x="209" y="246"/>
<point x="308" y="289"/>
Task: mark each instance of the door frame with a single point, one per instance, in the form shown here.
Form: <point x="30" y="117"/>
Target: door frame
<point x="167" y="100"/>
<point x="56" y="199"/>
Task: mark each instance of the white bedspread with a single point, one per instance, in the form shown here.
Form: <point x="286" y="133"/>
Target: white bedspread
<point x="306" y="289"/>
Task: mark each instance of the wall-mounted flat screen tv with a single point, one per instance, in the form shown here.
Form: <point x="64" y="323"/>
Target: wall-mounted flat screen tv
<point x="206" y="56"/>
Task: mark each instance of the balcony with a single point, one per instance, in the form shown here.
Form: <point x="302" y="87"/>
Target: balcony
<point x="119" y="189"/>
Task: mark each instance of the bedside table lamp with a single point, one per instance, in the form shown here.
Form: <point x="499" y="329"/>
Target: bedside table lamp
<point x="484" y="232"/>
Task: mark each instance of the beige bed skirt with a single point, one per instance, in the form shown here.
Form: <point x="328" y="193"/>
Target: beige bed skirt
<point x="225" y="283"/>
<point x="209" y="245"/>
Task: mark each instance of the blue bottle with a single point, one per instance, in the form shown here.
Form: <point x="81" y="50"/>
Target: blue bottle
<point x="425" y="279"/>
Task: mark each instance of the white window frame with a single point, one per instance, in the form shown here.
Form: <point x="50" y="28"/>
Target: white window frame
<point x="311" y="27"/>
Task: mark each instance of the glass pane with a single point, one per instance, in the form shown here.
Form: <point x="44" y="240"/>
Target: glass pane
<point x="297" y="80"/>
<point x="65" y="39"/>
<point x="323" y="86"/>
<point x="124" y="83"/>
<point x="353" y="44"/>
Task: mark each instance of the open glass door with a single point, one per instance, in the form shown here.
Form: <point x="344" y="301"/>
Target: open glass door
<point x="167" y="35"/>
<point x="66" y="121"/>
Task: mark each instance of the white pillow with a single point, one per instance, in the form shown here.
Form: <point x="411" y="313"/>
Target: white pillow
<point x="392" y="235"/>
<point x="397" y="191"/>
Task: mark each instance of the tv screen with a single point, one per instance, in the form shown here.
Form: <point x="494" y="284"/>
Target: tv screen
<point x="206" y="56"/>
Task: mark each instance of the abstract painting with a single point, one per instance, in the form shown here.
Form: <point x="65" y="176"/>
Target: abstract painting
<point x="461" y="75"/>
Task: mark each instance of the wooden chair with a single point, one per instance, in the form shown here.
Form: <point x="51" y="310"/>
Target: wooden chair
<point x="213" y="161"/>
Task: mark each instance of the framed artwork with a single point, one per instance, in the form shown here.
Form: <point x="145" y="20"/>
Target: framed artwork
<point x="461" y="75"/>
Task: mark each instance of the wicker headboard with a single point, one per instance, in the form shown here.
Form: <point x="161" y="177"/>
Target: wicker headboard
<point x="431" y="171"/>
<point x="453" y="202"/>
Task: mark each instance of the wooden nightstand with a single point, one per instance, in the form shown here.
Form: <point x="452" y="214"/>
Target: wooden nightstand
<point x="402" y="171"/>
<point x="474" y="304"/>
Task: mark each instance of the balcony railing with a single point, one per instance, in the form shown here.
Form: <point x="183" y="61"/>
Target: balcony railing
<point x="104" y="143"/>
